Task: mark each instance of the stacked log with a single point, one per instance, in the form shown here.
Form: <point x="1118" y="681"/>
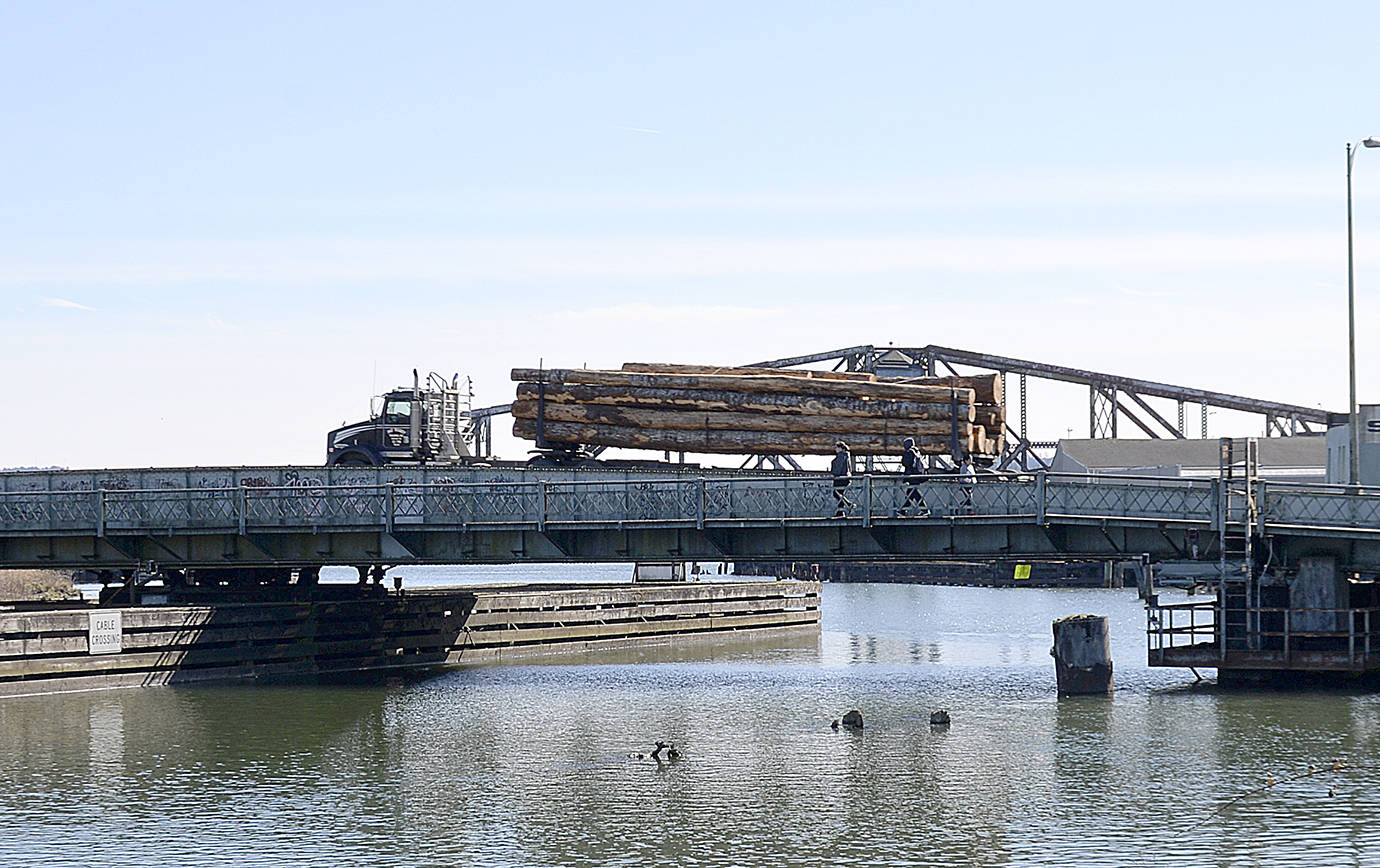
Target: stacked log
<point x="756" y="411"/>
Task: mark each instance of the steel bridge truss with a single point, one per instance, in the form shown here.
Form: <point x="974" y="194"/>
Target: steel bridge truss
<point x="1112" y="399"/>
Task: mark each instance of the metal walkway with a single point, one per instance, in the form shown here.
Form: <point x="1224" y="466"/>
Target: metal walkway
<point x="231" y="517"/>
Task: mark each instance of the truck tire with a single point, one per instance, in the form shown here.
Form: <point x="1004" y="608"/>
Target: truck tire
<point x="353" y="459"/>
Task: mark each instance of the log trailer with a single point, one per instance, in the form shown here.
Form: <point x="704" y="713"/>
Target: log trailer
<point x="758" y="411"/>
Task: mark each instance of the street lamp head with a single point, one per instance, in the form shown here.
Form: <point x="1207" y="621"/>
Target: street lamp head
<point x="1371" y="142"/>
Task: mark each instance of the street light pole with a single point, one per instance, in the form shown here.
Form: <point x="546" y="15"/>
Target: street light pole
<point x="1353" y="409"/>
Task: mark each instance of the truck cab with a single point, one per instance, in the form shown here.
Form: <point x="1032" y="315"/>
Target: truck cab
<point x="409" y="426"/>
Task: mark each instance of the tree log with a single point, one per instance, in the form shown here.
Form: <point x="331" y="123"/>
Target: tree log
<point x="730" y="442"/>
<point x="747" y="383"/>
<point x="638" y="417"/>
<point x="744" y="402"/>
<point x="660" y="368"/>
<point x="993" y="421"/>
<point x="987" y="387"/>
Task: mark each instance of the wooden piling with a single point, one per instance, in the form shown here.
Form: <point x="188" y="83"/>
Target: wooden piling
<point x="1082" y="655"/>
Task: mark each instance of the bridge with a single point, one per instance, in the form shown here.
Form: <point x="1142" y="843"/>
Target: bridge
<point x="1296" y="565"/>
<point x="311" y="516"/>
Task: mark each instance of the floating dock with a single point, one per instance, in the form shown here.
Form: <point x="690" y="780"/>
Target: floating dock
<point x="351" y="630"/>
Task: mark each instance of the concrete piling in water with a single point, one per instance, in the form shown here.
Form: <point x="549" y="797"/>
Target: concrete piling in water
<point x="1082" y="655"/>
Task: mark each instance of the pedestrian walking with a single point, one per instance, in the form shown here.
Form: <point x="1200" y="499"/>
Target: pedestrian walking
<point x="913" y="472"/>
<point x="842" y="469"/>
<point x="967" y="477"/>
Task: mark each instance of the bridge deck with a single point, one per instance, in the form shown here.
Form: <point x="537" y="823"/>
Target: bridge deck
<point x="255" y="516"/>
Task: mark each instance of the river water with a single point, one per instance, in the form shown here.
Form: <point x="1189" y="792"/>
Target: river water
<point x="534" y="764"/>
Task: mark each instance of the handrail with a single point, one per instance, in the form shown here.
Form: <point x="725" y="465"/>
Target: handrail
<point x="1358" y="628"/>
<point x="1036" y="497"/>
<point x="1117" y="481"/>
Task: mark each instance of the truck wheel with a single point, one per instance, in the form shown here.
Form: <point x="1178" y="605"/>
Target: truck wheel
<point x="354" y="459"/>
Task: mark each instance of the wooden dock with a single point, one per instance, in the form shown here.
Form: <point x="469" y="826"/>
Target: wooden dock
<point x="84" y="647"/>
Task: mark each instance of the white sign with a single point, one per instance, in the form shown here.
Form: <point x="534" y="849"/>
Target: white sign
<point x="1370" y="424"/>
<point x="106" y="635"/>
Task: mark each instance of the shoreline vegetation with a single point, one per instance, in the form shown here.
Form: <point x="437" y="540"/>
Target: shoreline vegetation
<point x="36" y="585"/>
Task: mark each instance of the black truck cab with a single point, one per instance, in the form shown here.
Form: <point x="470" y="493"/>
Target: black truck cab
<point x="409" y="426"/>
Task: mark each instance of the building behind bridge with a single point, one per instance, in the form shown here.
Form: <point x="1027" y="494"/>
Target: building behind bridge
<point x="1302" y="458"/>
<point x="1339" y="447"/>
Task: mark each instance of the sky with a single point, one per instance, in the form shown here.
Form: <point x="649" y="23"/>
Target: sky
<point x="224" y="226"/>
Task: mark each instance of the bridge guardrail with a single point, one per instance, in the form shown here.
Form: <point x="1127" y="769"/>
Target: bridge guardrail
<point x="536" y="503"/>
<point x="1280" y="631"/>
<point x="1179" y="625"/>
<point x="1168" y="498"/>
<point x="695" y="499"/>
<point x="1319" y="505"/>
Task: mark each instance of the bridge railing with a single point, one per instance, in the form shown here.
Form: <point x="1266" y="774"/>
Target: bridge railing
<point x="664" y="498"/>
<point x="1313" y="505"/>
<point x="1169" y="498"/>
<point x="50" y="510"/>
<point x="1331" y="631"/>
<point x="1351" y="636"/>
<point x="1179" y="625"/>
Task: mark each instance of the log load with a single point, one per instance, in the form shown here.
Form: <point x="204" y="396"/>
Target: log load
<point x="709" y="401"/>
<point x="757" y="411"/>
<point x="639" y="417"/>
<point x="731" y="442"/>
<point x="774" y="382"/>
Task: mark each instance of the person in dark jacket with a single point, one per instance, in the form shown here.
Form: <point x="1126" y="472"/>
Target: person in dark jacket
<point x="842" y="469"/>
<point x="913" y="473"/>
<point x="967" y="477"/>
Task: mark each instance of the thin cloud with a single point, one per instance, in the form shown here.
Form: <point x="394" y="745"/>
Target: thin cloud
<point x="642" y="130"/>
<point x="67" y="303"/>
<point x="1141" y="293"/>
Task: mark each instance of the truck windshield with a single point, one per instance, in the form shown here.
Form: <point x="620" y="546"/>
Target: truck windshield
<point x="397" y="412"/>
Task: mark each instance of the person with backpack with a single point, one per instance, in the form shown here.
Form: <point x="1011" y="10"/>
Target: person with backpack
<point x="913" y="472"/>
<point x="967" y="476"/>
<point x="842" y="470"/>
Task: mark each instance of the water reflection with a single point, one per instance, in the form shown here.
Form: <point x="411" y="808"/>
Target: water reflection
<point x="106" y="728"/>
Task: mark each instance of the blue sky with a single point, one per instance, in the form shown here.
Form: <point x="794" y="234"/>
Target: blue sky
<point x="221" y="226"/>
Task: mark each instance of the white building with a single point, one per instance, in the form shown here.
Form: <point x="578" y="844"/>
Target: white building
<point x="1303" y="458"/>
<point x="1339" y="448"/>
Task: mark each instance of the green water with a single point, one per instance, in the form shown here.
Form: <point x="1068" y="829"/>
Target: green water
<point x="529" y="764"/>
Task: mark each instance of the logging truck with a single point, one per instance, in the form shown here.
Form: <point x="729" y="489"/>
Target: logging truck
<point x="571" y="413"/>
